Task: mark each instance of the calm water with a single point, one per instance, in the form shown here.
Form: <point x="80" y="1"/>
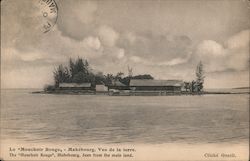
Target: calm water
<point x="123" y="119"/>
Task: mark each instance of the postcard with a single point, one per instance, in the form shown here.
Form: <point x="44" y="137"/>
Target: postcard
<point x="125" y="80"/>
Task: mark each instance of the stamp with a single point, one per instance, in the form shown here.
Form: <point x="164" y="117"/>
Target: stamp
<point x="48" y="11"/>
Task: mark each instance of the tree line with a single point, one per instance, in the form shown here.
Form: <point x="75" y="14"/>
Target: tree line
<point x="79" y="71"/>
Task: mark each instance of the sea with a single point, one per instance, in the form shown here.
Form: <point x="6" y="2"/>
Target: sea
<point x="102" y="119"/>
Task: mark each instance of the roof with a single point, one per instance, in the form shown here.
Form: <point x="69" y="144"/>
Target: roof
<point x="75" y="85"/>
<point x="151" y="82"/>
<point x="117" y="83"/>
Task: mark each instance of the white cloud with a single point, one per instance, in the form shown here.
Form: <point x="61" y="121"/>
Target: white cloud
<point x="210" y="48"/>
<point x="108" y="35"/>
<point x="235" y="55"/>
<point x="175" y="61"/>
<point x="136" y="59"/>
<point x="239" y="40"/>
<point x="92" y="42"/>
<point x="121" y="53"/>
<point x="31" y="56"/>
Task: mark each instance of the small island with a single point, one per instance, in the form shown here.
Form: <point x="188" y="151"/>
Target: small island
<point x="79" y="78"/>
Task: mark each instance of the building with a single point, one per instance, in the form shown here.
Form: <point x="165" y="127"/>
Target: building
<point x="101" y="88"/>
<point x="75" y="86"/>
<point x="156" y="85"/>
<point x="117" y="85"/>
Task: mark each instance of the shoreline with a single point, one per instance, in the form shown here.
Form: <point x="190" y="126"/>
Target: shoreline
<point x="140" y="93"/>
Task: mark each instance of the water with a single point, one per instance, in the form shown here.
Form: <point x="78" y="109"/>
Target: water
<point x="45" y="118"/>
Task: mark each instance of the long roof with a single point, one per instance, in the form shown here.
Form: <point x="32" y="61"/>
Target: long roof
<point x="151" y="82"/>
<point x="75" y="85"/>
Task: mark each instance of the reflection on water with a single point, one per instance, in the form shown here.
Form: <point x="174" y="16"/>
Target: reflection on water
<point x="125" y="119"/>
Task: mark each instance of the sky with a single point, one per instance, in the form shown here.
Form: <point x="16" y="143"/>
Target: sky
<point x="164" y="38"/>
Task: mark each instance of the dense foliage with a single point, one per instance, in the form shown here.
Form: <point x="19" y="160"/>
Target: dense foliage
<point x="78" y="71"/>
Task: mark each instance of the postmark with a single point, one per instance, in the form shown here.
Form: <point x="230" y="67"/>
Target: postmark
<point x="48" y="13"/>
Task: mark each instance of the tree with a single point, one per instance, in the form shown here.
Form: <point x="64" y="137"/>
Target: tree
<point x="80" y="66"/>
<point x="199" y="77"/>
<point x="126" y="80"/>
<point x="67" y="77"/>
<point x="78" y="78"/>
<point x="109" y="78"/>
<point x="79" y="71"/>
<point x="193" y="86"/>
<point x="119" y="76"/>
<point x="61" y="74"/>
<point x="187" y="86"/>
<point x="99" y="78"/>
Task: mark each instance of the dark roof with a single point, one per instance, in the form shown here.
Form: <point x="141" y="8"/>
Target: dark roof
<point x="151" y="82"/>
<point x="74" y="85"/>
<point x="100" y="83"/>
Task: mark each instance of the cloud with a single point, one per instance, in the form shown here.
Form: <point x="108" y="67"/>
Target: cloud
<point x="234" y="56"/>
<point x="154" y="49"/>
<point x="131" y="37"/>
<point x="92" y="42"/>
<point x="120" y="54"/>
<point x="175" y="61"/>
<point x="20" y="23"/>
<point x="76" y="19"/>
<point x="239" y="40"/>
<point x="210" y="48"/>
<point x="148" y="62"/>
<point x="31" y="56"/>
<point x="108" y="35"/>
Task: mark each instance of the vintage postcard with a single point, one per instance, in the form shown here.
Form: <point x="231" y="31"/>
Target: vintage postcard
<point x="125" y="80"/>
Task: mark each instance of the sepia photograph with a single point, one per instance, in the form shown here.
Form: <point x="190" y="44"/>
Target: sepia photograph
<point x="125" y="80"/>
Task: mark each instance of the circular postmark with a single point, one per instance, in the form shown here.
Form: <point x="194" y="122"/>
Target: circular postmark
<point x="48" y="11"/>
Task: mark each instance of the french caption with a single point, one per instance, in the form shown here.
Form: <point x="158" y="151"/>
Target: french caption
<point x="71" y="152"/>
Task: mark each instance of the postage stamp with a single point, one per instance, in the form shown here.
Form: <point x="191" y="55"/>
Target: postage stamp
<point x="49" y="11"/>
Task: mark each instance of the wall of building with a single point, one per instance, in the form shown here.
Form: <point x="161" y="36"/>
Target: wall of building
<point x="101" y="88"/>
<point x="157" y="88"/>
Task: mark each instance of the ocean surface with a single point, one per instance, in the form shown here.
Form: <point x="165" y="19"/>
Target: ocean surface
<point x="48" y="118"/>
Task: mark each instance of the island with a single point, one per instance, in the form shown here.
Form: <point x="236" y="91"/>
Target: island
<point x="79" y="78"/>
